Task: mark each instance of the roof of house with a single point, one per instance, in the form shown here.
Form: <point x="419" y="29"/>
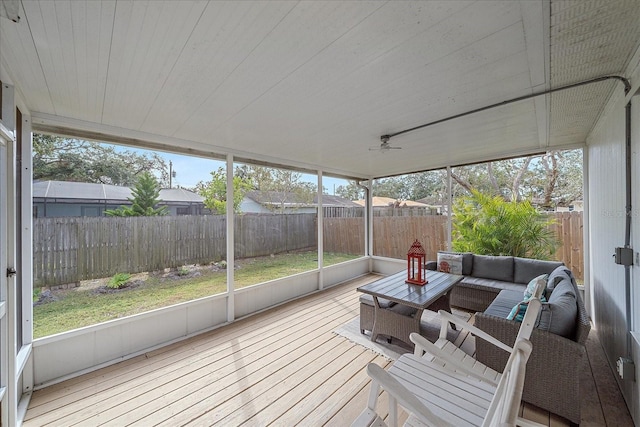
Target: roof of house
<point x="379" y="202"/>
<point x="293" y="199"/>
<point x="68" y="191"/>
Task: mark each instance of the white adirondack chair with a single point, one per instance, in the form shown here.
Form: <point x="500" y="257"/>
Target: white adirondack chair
<point x="437" y="396"/>
<point x="442" y="385"/>
<point x="449" y="355"/>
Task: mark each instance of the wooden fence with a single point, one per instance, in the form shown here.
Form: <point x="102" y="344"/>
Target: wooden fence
<point x="394" y="235"/>
<point x="68" y="250"/>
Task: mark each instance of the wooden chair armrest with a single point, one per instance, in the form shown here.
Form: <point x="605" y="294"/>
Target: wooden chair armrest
<point x="427" y="346"/>
<point x="398" y="393"/>
<point x="449" y="318"/>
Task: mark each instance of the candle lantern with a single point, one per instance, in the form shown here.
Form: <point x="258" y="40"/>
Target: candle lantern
<point x="415" y="262"/>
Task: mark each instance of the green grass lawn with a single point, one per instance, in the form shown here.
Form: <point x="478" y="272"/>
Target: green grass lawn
<point x="84" y="306"/>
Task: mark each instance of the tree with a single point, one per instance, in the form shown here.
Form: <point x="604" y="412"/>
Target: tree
<point x="558" y="178"/>
<point x="215" y="191"/>
<point x="350" y="191"/>
<point x="68" y="159"/>
<point x="490" y="225"/>
<point x="145" y="199"/>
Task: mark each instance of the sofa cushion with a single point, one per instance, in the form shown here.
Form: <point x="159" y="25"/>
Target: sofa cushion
<point x="559" y="315"/>
<point x="490" y="284"/>
<point x="524" y="269"/>
<point x="504" y="302"/>
<point x="493" y="267"/>
<point x="467" y="261"/>
<point x="559" y="274"/>
<point x="450" y="263"/>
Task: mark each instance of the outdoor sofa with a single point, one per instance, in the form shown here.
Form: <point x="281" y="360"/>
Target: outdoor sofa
<point x="493" y="286"/>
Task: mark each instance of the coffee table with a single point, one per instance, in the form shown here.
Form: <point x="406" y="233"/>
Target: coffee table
<point x="403" y="318"/>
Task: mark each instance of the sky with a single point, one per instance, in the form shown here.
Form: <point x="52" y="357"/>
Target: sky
<point x="191" y="170"/>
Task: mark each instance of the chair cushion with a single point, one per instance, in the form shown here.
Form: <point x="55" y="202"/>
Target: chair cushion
<point x="450" y="263"/>
<point x="368" y="300"/>
<point x="404" y="310"/>
<point x="524" y="269"/>
<point x="493" y="267"/>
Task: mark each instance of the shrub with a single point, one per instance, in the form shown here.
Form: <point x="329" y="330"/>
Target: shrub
<point x="119" y="281"/>
<point x="492" y="226"/>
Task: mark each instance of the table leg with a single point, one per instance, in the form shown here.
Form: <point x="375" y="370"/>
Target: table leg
<point x="443" y="303"/>
<point x="376" y="312"/>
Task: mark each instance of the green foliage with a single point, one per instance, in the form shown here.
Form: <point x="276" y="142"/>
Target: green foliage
<point x="215" y="191"/>
<point x="350" y="191"/>
<point x="67" y="159"/>
<point x="118" y="281"/>
<point x="489" y="225"/>
<point x="145" y="198"/>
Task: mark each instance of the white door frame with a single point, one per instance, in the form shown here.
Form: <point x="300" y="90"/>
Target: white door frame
<point x="16" y="370"/>
<point x="8" y="385"/>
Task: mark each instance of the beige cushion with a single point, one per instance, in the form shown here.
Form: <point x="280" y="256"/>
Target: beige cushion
<point x="450" y="263"/>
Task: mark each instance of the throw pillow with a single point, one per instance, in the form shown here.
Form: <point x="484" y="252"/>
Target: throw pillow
<point x="518" y="310"/>
<point x="449" y="263"/>
<point x="536" y="284"/>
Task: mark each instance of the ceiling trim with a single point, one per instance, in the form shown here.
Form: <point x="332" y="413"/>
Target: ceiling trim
<point x="46" y="123"/>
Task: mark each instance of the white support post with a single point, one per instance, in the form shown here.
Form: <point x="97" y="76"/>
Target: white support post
<point x="368" y="224"/>
<point x="449" y="205"/>
<point x="26" y="237"/>
<point x="230" y="242"/>
<point x="320" y="233"/>
<point x="586" y="239"/>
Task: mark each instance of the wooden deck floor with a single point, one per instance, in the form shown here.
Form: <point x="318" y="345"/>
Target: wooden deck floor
<point x="282" y="367"/>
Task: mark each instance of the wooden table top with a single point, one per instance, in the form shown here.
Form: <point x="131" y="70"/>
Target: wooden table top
<point x="394" y="288"/>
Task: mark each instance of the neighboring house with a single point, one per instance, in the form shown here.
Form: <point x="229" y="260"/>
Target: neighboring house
<point x="64" y="199"/>
<point x="385" y="204"/>
<point x="575" y="206"/>
<point x="276" y="201"/>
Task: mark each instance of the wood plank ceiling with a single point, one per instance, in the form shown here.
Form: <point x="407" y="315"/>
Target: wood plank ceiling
<point x="315" y="84"/>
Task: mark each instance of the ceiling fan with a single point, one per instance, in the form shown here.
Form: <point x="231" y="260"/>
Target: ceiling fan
<point x="385" y="145"/>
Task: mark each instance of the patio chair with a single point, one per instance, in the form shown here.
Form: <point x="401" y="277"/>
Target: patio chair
<point x="437" y="396"/>
<point x="446" y="353"/>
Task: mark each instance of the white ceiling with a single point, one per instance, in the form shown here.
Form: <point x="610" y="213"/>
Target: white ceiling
<point x="315" y="84"/>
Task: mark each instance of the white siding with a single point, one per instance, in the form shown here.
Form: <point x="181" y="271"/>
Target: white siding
<point x="606" y="154"/>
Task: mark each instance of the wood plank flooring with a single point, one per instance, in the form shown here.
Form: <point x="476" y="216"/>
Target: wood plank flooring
<point x="281" y="367"/>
